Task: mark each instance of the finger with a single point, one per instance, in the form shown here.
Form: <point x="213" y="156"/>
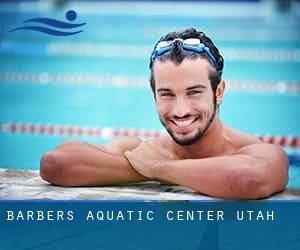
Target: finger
<point x="150" y="142"/>
<point x="153" y="143"/>
<point x="154" y="146"/>
<point x="127" y="153"/>
<point x="157" y="147"/>
<point x="144" y="149"/>
<point x="163" y="151"/>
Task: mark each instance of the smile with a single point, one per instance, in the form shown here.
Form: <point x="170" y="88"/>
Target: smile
<point x="184" y="123"/>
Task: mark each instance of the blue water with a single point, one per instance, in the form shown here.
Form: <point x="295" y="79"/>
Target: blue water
<point x="132" y="107"/>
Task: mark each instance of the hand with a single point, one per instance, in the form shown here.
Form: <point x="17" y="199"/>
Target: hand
<point x="145" y="158"/>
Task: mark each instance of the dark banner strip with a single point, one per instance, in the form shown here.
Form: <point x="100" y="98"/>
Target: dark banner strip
<point x="149" y="225"/>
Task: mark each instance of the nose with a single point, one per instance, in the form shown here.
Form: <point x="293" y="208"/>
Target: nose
<point x="181" y="107"/>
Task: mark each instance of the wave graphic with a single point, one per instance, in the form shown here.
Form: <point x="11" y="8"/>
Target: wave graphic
<point x="47" y="30"/>
<point x="70" y="15"/>
<point x="54" y="22"/>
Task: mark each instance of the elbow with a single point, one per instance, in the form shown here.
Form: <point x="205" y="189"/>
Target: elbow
<point x="261" y="185"/>
<point x="52" y="169"/>
<point x="245" y="188"/>
<point x="254" y="188"/>
<point x="248" y="188"/>
<point x="253" y="184"/>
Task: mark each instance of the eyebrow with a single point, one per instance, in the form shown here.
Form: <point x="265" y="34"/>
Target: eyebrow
<point x="164" y="89"/>
<point x="198" y="86"/>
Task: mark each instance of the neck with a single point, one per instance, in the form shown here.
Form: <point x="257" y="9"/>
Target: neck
<point x="212" y="143"/>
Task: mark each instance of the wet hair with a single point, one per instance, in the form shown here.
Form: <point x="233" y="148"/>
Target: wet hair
<point x="177" y="54"/>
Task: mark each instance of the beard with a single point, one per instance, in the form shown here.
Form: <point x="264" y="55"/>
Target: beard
<point x="197" y="136"/>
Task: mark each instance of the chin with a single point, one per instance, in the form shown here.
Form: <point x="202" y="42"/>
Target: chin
<point x="186" y="140"/>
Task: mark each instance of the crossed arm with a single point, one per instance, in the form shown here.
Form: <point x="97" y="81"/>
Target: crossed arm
<point x="256" y="171"/>
<point x="76" y="163"/>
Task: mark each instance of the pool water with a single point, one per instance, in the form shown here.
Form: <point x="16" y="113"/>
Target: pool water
<point x="100" y="76"/>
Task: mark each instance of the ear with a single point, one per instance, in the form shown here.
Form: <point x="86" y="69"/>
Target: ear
<point x="220" y="92"/>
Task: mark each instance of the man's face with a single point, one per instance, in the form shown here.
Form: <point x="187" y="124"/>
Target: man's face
<point x="184" y="98"/>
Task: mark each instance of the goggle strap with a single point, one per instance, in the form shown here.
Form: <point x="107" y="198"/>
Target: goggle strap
<point x="196" y="48"/>
<point x="200" y="49"/>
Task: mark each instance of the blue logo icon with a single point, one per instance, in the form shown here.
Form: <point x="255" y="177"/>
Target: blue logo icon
<point x="70" y="15"/>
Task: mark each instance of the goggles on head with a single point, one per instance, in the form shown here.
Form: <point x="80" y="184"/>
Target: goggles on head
<point x="190" y="44"/>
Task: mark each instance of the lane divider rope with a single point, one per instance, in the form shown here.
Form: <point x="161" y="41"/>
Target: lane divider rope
<point x="44" y="78"/>
<point x="109" y="132"/>
<point x="140" y="51"/>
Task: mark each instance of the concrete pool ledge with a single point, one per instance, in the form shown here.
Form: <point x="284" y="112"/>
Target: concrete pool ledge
<point x="27" y="185"/>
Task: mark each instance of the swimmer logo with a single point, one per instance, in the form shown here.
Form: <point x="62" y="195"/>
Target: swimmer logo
<point x="70" y="15"/>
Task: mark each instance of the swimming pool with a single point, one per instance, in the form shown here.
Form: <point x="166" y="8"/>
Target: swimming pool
<point x="93" y="85"/>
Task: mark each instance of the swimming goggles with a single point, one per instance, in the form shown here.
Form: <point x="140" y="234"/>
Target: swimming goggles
<point x="190" y="44"/>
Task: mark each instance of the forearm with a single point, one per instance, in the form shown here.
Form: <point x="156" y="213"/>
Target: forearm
<point x="86" y="165"/>
<point x="241" y="177"/>
<point x="112" y="169"/>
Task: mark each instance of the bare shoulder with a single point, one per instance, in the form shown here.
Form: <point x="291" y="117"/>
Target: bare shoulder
<point x="121" y="145"/>
<point x="265" y="151"/>
<point x="253" y="146"/>
<point x="239" y="138"/>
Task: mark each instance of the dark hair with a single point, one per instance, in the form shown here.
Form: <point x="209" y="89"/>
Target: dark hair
<point x="177" y="55"/>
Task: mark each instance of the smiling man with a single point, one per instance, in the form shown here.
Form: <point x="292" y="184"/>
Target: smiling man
<point x="200" y="152"/>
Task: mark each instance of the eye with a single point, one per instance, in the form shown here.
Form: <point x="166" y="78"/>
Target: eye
<point x="194" y="92"/>
<point x="166" y="94"/>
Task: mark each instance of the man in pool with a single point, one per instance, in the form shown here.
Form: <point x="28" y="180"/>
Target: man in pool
<point x="200" y="152"/>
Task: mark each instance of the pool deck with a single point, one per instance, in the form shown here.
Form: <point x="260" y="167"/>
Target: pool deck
<point x="27" y="185"/>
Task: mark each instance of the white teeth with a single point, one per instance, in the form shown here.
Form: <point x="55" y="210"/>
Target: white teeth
<point x="184" y="123"/>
